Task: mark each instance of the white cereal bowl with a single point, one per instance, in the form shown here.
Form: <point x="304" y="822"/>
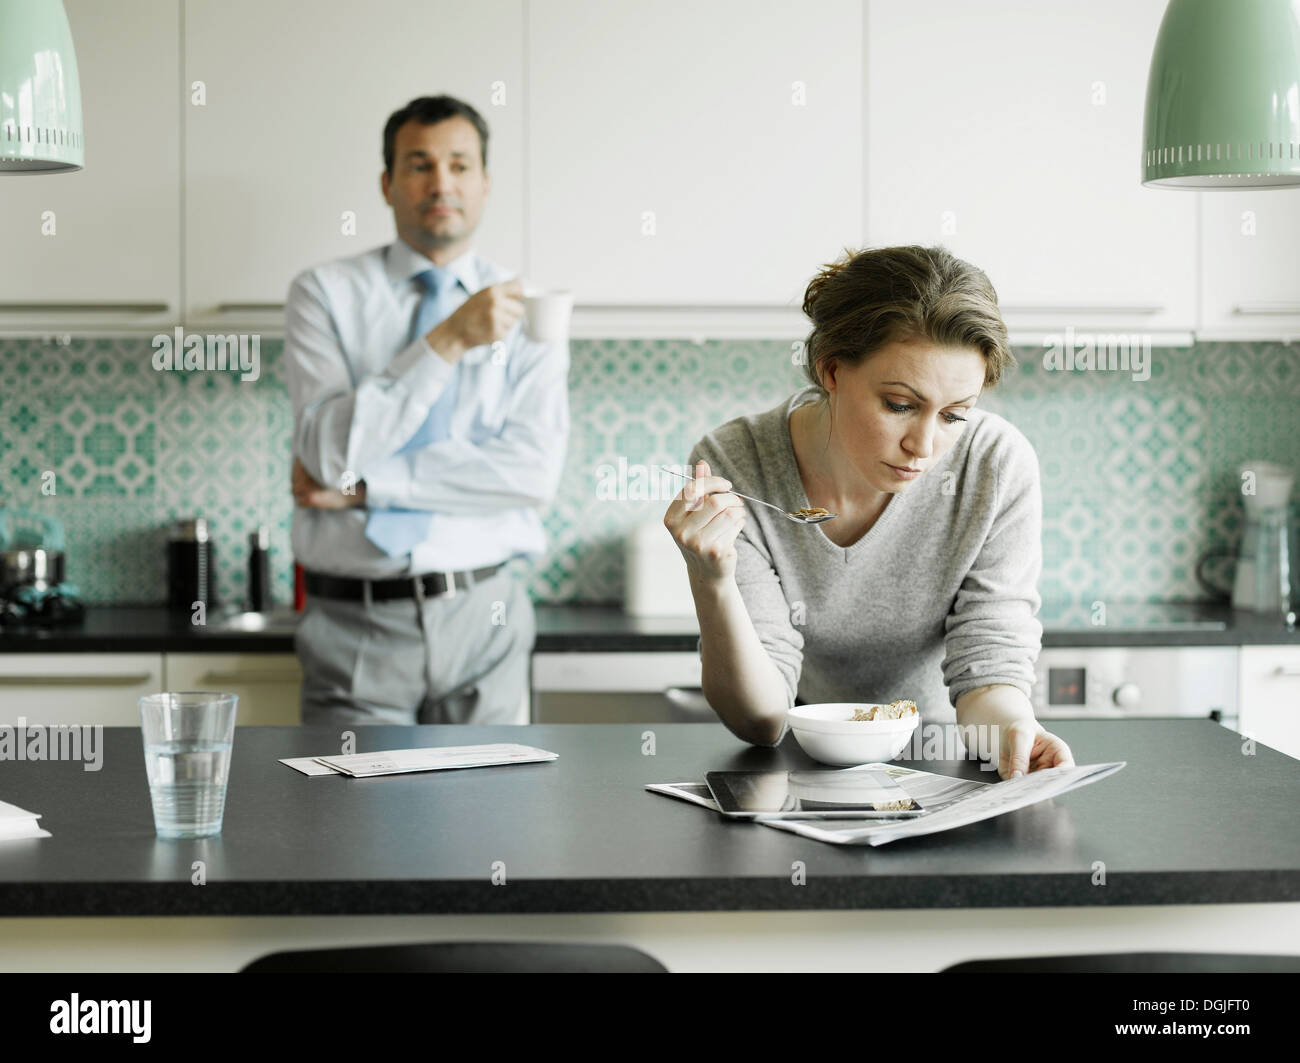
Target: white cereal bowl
<point x="829" y="734"/>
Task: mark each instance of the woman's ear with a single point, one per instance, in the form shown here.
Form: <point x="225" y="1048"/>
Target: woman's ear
<point x="828" y="374"/>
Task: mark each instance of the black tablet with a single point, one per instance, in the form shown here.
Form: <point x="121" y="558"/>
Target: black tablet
<point x="851" y="793"/>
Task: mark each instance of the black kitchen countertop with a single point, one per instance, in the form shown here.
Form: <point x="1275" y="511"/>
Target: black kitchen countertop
<point x="606" y="628"/>
<point x="1190" y="820"/>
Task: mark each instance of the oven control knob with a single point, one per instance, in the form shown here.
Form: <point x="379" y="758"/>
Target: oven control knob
<point x="1127" y="696"/>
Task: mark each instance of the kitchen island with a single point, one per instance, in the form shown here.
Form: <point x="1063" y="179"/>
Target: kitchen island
<point x="1192" y="847"/>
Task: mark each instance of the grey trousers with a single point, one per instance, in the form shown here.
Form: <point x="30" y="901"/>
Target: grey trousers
<point x="461" y="659"/>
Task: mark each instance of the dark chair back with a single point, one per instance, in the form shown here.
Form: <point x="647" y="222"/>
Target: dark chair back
<point x="462" y="957"/>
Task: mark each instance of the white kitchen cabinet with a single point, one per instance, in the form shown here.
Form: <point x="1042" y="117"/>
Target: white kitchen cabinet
<point x="1011" y="133"/>
<point x="1270" y="696"/>
<point x="99" y="248"/>
<point x="77" y="688"/>
<point x="692" y="154"/>
<point x="268" y="684"/>
<point x="1250" y="286"/>
<point x="287" y="146"/>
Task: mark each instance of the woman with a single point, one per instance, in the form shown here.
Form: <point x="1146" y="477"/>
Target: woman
<point x="927" y="577"/>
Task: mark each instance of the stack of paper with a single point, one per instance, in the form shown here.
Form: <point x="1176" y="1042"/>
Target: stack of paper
<point x="435" y="758"/>
<point x="19" y="823"/>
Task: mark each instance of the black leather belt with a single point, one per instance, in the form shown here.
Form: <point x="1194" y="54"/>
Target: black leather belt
<point x="381" y="590"/>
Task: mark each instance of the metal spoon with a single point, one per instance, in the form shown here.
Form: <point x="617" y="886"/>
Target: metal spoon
<point x="798" y="518"/>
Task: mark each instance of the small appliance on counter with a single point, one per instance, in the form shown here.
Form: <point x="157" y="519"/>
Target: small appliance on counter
<point x="259" y="570"/>
<point x="32" y="587"/>
<point x="191" y="565"/>
<point x="655" y="579"/>
<point x="1262" y="577"/>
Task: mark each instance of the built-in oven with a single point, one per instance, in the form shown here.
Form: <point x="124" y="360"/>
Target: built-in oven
<point x="1115" y="682"/>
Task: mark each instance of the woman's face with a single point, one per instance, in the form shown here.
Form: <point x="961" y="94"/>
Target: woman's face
<point x="902" y="408"/>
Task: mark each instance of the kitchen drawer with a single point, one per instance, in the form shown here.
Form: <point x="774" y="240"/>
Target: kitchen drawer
<point x="1270" y="696"/>
<point x="648" y="687"/>
<point x="268" y="684"/>
<point x="77" y="688"/>
<point x="623" y="672"/>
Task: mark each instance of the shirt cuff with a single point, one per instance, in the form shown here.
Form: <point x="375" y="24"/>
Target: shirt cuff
<point x="422" y="370"/>
<point x="388" y="484"/>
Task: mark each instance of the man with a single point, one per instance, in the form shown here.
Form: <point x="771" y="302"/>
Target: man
<point x="428" y="430"/>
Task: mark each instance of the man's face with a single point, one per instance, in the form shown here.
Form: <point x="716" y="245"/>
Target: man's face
<point x="438" y="186"/>
<point x="903" y="407"/>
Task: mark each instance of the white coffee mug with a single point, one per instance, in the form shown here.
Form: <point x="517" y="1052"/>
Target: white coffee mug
<point x="546" y="314"/>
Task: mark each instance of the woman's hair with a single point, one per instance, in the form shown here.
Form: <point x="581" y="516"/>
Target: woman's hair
<point x="871" y="298"/>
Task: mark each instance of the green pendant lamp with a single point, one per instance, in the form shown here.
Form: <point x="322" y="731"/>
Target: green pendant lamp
<point x="40" y="92"/>
<point x="1223" y="96"/>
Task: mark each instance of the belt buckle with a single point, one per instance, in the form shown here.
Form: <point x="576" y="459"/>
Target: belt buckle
<point x="450" y="577"/>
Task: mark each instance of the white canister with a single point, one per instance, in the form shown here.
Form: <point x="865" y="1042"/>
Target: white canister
<point x="655" y="579"/>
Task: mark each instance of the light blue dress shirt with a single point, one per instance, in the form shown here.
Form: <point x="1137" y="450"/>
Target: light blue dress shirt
<point x="360" y="392"/>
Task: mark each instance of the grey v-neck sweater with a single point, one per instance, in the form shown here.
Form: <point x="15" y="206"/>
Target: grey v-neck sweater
<point x="940" y="592"/>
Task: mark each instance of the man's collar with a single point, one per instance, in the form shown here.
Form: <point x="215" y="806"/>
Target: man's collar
<point x="402" y="262"/>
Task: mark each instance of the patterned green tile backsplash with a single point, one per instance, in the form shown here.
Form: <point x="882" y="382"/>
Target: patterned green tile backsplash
<point x="1138" y="476"/>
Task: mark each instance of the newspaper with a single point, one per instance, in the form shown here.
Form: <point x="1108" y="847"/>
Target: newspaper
<point x="990" y="801"/>
<point x="949" y="802"/>
<point x="697" y="793"/>
<point x="932" y="791"/>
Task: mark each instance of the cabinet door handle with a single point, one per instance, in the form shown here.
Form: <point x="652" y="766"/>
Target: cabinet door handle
<point x="129" y="679"/>
<point x="247" y="677"/>
<point x="83" y="308"/>
<point x="1062" y="308"/>
<point x="1245" y="309"/>
<point x="250" y="308"/>
<point x="1287" y="669"/>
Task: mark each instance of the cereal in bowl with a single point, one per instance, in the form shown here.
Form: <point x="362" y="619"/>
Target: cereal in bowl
<point x="895" y="710"/>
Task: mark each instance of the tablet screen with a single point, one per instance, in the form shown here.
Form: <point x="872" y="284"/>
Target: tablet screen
<point x="852" y="792"/>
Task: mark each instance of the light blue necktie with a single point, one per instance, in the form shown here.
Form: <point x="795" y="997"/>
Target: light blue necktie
<point x="398" y="531"/>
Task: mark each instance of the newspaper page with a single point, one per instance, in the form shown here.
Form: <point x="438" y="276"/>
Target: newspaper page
<point x="987" y="802"/>
<point x="697" y="793"/>
<point x="932" y="791"/>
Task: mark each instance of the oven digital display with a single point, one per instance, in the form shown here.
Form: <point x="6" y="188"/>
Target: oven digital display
<point x="1066" y="686"/>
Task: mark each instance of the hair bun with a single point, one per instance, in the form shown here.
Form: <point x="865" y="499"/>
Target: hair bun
<point x="824" y="277"/>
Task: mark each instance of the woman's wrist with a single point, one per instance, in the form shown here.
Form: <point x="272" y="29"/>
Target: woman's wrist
<point x="711" y="591"/>
<point x="996" y="705"/>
